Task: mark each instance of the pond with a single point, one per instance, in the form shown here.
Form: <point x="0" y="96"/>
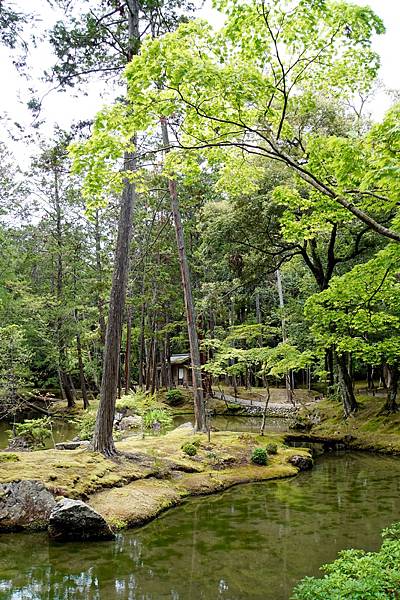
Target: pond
<point x="252" y="542"/>
<point x="67" y="430"/>
<point x="233" y="423"/>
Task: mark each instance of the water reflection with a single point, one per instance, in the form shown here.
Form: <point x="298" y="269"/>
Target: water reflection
<point x="252" y="542"/>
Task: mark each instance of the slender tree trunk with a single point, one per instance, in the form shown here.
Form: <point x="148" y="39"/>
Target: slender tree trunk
<point x="199" y="407"/>
<point x="142" y="348"/>
<point x="391" y="405"/>
<point x="153" y="370"/>
<point x="128" y="349"/>
<point x="288" y="383"/>
<point x="346" y="386"/>
<point x="264" y="415"/>
<point x="80" y="366"/>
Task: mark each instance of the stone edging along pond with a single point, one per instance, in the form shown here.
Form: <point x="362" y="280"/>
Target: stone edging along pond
<point x="148" y="477"/>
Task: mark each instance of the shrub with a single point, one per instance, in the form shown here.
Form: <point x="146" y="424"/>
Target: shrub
<point x="174" y="397"/>
<point x="259" y="456"/>
<point x="86" y="425"/>
<point x="189" y="449"/>
<point x="272" y="448"/>
<point x="156" y="415"/>
<point x="34" y="431"/>
<point x="357" y="574"/>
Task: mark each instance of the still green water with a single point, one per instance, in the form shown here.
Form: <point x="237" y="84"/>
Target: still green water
<point x="252" y="542"/>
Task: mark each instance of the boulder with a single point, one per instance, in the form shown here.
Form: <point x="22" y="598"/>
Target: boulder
<point x="188" y="426"/>
<point x="302" y="462"/>
<point x="73" y="445"/>
<point x="18" y="443"/>
<point x="75" y="520"/>
<point x="25" y="505"/>
<point x="130" y="422"/>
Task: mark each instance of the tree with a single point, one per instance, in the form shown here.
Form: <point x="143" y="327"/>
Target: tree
<point x="244" y="87"/>
<point x="360" y="314"/>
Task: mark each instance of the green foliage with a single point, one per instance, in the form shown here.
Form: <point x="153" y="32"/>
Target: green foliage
<point x="272" y="448"/>
<point x="360" y="311"/>
<point x="156" y="415"/>
<point x="34" y="431"/>
<point x="357" y="574"/>
<point x="86" y="425"/>
<point x="189" y="449"/>
<point x="259" y="456"/>
<point x="174" y="397"/>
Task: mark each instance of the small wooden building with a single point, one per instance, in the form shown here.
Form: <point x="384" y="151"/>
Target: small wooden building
<point x="181" y="369"/>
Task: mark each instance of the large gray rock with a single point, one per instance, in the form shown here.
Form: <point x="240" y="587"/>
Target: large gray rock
<point x="130" y="422"/>
<point x="25" y="505"/>
<point x="74" y="445"/>
<point x="75" y="520"/>
<point x="188" y="426"/>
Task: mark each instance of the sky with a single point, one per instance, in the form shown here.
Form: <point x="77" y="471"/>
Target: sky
<point x="63" y="108"/>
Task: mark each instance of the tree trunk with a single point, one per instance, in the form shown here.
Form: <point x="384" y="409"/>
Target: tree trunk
<point x="288" y="382"/>
<point x="199" y="407"/>
<point x="391" y="405"/>
<point x="128" y="348"/>
<point x="346" y="386"/>
<point x="264" y="415"/>
<point x="99" y="278"/>
<point x="103" y="433"/>
<point x="80" y="365"/>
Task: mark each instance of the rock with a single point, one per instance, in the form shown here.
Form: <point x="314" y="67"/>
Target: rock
<point x="18" y="443"/>
<point x="188" y="426"/>
<point x="130" y="422"/>
<point x="25" y="505"/>
<point x="118" y="418"/>
<point x="72" y="445"/>
<point x="75" y="520"/>
<point x="303" y="463"/>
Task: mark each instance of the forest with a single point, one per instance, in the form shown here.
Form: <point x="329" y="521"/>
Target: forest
<point x="210" y="260"/>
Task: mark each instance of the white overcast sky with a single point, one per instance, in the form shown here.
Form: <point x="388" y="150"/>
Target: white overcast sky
<point x="63" y="108"/>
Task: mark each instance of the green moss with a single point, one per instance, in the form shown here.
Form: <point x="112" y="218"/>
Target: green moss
<point x="8" y="457"/>
<point x="149" y="478"/>
<point x="367" y="429"/>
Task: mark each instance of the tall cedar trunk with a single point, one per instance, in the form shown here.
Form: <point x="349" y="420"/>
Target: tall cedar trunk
<point x="346" y="386"/>
<point x="99" y="279"/>
<point x="288" y="383"/>
<point x="128" y="348"/>
<point x="199" y="408"/>
<point x="103" y="433"/>
<point x="142" y="349"/>
<point x="80" y="364"/>
<point x="153" y="375"/>
<point x="66" y="389"/>
<point x="391" y="405"/>
<point x="167" y="354"/>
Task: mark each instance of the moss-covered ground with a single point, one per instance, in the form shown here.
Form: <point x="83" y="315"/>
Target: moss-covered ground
<point x="368" y="429"/>
<point x="150" y="474"/>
